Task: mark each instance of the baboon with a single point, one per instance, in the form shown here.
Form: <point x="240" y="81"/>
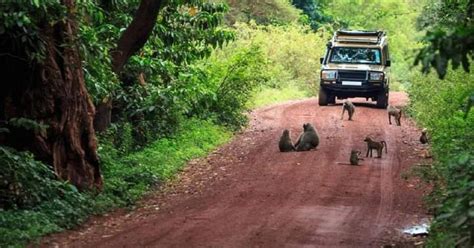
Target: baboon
<point x="349" y="106"/>
<point x="423" y="137"/>
<point x="308" y="139"/>
<point x="397" y="113"/>
<point x="377" y="145"/>
<point x="354" y="159"/>
<point x="285" y="143"/>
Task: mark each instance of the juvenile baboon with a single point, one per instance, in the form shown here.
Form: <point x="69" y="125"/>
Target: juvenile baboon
<point x="397" y="113"/>
<point x="308" y="139"/>
<point x="349" y="106"/>
<point x="377" y="145"/>
<point x="423" y="137"/>
<point x="354" y="159"/>
<point x="285" y="143"/>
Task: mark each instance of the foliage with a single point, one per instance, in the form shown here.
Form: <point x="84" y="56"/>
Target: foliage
<point x="39" y="204"/>
<point x="314" y="10"/>
<point x="292" y="51"/>
<point x="20" y="26"/>
<point x="33" y="201"/>
<point x="454" y="222"/>
<point x="147" y="94"/>
<point x="260" y="58"/>
<point x="25" y="182"/>
<point x="393" y="16"/>
<point x="450" y="28"/>
<point x="227" y="81"/>
<point x="262" y="12"/>
<point x="452" y="133"/>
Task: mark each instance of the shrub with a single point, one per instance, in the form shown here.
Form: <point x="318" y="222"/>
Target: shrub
<point x="33" y="201"/>
<point x="452" y="134"/>
<point x="39" y="204"/>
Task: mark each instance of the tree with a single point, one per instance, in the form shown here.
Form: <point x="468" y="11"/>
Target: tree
<point x="314" y="10"/>
<point x="39" y="56"/>
<point x="131" y="40"/>
<point x="449" y="36"/>
<point x="39" y="49"/>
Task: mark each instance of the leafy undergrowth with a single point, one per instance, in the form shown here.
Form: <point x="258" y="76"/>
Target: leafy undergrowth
<point x="39" y="204"/>
<point x="450" y="126"/>
<point x="268" y="96"/>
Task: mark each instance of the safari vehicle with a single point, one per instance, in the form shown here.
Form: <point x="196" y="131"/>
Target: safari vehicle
<point x="356" y="64"/>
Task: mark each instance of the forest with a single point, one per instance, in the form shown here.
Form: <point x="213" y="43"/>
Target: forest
<point x="105" y="101"/>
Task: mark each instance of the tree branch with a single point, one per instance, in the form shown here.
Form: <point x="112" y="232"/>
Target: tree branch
<point x="137" y="33"/>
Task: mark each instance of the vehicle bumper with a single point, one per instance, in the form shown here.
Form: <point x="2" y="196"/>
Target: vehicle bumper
<point x="367" y="89"/>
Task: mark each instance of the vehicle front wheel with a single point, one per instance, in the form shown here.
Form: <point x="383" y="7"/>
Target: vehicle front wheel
<point x="382" y="99"/>
<point x="323" y="97"/>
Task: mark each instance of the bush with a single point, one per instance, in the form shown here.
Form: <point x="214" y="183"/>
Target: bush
<point x="33" y="201"/>
<point x="230" y="77"/>
<point x="38" y="204"/>
<point x="262" y="59"/>
<point x="292" y="53"/>
<point x="452" y="133"/>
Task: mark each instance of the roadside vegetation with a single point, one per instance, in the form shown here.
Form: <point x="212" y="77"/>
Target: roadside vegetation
<point x="441" y="102"/>
<point x="188" y="87"/>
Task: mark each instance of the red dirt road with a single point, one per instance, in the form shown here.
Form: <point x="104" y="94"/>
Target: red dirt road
<point x="248" y="194"/>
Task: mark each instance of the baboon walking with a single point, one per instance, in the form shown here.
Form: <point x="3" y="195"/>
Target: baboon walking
<point x="285" y="143"/>
<point x="395" y="112"/>
<point x="377" y="145"/>
<point x="308" y="139"/>
<point x="349" y="106"/>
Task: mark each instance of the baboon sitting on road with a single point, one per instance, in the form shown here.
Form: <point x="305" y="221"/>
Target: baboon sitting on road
<point x="349" y="106"/>
<point x="285" y="143"/>
<point x="308" y="139"/>
<point x="354" y="159"/>
<point x="371" y="144"/>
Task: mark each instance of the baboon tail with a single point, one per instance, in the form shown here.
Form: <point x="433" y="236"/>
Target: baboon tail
<point x="385" y="144"/>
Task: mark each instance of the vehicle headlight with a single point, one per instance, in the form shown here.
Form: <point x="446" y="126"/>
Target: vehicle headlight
<point x="376" y="76"/>
<point x="328" y="75"/>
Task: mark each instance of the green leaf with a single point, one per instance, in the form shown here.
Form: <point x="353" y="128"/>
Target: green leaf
<point x="36" y="3"/>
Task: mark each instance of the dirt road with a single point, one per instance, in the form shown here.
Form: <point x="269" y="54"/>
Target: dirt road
<point x="248" y="194"/>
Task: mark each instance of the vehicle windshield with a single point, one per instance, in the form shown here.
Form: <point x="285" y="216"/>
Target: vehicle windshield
<point x="355" y="55"/>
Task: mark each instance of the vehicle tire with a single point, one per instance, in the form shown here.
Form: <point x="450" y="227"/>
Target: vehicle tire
<point x="382" y="99"/>
<point x="323" y="97"/>
<point x="332" y="99"/>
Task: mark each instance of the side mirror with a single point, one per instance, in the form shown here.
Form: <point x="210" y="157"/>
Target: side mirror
<point x="321" y="60"/>
<point x="388" y="63"/>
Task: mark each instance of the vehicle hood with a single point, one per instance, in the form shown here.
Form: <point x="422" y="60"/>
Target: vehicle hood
<point x="360" y="67"/>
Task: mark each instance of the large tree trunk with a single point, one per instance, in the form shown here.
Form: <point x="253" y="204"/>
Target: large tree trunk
<point x="53" y="92"/>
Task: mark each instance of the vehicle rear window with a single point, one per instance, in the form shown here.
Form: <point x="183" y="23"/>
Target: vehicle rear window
<point x="355" y="55"/>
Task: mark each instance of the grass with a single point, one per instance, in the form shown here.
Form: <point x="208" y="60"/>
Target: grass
<point x="268" y="96"/>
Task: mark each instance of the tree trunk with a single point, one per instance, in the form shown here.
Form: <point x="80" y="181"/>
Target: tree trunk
<point x="103" y="115"/>
<point x="137" y="33"/>
<point x="53" y="92"/>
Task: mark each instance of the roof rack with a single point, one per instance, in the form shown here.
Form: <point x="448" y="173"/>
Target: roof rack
<point x="358" y="36"/>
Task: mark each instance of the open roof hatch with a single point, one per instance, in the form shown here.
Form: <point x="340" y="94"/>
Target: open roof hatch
<point x="355" y="36"/>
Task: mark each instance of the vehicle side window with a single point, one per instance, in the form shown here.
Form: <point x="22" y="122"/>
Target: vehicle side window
<point x="386" y="54"/>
